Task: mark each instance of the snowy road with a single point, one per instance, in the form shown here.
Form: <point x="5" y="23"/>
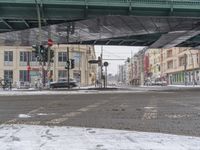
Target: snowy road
<point x="27" y="137"/>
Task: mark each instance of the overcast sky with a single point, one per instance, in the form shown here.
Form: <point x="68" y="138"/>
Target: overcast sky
<point x="116" y="52"/>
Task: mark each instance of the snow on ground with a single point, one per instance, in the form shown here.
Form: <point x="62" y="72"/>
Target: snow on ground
<point x="185" y="86"/>
<point x="24" y="116"/>
<point x="29" y="137"/>
<point x="21" y="93"/>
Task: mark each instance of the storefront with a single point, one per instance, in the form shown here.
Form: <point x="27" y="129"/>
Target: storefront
<point x="181" y="78"/>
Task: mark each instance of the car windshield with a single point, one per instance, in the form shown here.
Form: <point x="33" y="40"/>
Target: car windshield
<point x="65" y="80"/>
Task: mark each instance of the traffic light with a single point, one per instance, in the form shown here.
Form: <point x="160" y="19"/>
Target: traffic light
<point x="67" y="64"/>
<point x="36" y="50"/>
<point x="42" y="50"/>
<point x="99" y="61"/>
<point x="72" y="63"/>
<point x="51" y="55"/>
<point x="45" y="55"/>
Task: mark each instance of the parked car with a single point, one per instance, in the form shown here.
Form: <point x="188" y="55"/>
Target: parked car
<point x="63" y="83"/>
<point x="161" y="83"/>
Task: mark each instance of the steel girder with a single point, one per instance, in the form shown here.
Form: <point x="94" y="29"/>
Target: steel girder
<point x="21" y="14"/>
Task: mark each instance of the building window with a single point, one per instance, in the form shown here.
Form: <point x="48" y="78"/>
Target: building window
<point x="182" y="50"/>
<point x="62" y="56"/>
<point x="8" y="75"/>
<point x="33" y="57"/>
<point x="23" y="75"/>
<point x="170" y="64"/>
<point x="182" y="61"/>
<point x="8" y="58"/>
<point x="77" y="58"/>
<point x="175" y="64"/>
<point x="169" y="53"/>
<point x="62" y="74"/>
<point x="23" y="56"/>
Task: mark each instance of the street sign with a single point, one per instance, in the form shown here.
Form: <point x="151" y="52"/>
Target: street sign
<point x="28" y="68"/>
<point x="93" y="61"/>
<point x="50" y="42"/>
<point x="105" y="64"/>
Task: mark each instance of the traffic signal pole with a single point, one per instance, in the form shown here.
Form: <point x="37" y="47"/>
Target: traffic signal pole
<point x="68" y="67"/>
<point x="101" y="66"/>
<point x="42" y="77"/>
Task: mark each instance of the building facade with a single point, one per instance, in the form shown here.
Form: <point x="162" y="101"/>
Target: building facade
<point x="181" y="66"/>
<point x="135" y="72"/>
<point x="121" y="74"/>
<point x="154" y="73"/>
<point x="175" y="65"/>
<point x="14" y="62"/>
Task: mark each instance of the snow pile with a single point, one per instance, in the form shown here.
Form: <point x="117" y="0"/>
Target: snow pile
<point x="24" y="116"/>
<point x="185" y="86"/>
<point x="24" y="137"/>
<point x="23" y="93"/>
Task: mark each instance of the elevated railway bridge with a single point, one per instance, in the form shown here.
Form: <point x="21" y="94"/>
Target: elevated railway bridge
<point x="155" y="23"/>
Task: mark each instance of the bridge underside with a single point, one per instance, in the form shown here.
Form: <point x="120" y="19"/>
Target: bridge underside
<point x="154" y="23"/>
<point x="22" y="14"/>
<point x="115" y="30"/>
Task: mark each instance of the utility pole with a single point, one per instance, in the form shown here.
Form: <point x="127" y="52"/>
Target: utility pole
<point x="68" y="67"/>
<point x="79" y="66"/>
<point x="68" y="61"/>
<point x="101" y="65"/>
<point x="42" y="78"/>
<point x="105" y="64"/>
<point x="185" y="67"/>
<point x="131" y="68"/>
<point x="28" y="66"/>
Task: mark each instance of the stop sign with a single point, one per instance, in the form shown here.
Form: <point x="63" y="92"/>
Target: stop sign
<point x="50" y="42"/>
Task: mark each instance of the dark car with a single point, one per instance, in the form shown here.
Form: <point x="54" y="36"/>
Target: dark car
<point x="63" y="83"/>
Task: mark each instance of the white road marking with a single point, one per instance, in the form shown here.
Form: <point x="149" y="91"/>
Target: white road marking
<point x="177" y="116"/>
<point x="150" y="114"/>
<point x="66" y="116"/>
<point x="28" y="115"/>
<point x="71" y="114"/>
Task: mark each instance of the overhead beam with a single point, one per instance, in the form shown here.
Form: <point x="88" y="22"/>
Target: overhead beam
<point x="7" y="24"/>
<point x="120" y="43"/>
<point x="26" y="23"/>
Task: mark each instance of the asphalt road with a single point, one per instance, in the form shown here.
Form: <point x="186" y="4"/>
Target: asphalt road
<point x="176" y="112"/>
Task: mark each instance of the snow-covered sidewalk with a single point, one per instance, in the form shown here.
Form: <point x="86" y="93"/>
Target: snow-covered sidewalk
<point x="28" y="137"/>
<point x="185" y="86"/>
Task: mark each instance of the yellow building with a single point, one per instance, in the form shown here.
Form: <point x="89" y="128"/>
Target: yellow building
<point x="154" y="63"/>
<point x="14" y="62"/>
<point x="181" y="65"/>
<point x="175" y="65"/>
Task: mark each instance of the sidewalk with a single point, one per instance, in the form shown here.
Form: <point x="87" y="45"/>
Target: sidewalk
<point x="23" y="137"/>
